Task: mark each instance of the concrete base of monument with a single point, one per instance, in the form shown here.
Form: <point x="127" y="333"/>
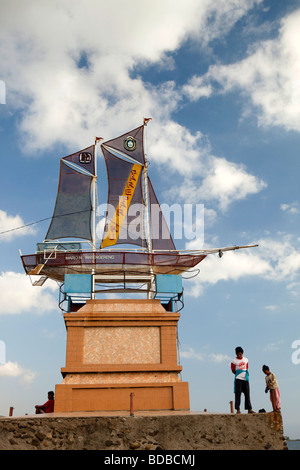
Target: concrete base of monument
<point x="120" y="347"/>
<point x="115" y="397"/>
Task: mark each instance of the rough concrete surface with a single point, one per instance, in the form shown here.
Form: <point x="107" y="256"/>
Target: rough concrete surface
<point x="262" y="431"/>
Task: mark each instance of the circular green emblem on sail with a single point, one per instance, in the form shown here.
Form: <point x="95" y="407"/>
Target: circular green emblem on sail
<point x="130" y="143"/>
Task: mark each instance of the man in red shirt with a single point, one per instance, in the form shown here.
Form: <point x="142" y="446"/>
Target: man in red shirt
<point x="47" y="407"/>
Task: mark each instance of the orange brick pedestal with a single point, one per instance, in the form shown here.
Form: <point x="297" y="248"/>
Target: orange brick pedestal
<point x="119" y="347"/>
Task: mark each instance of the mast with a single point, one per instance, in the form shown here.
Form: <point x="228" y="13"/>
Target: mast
<point x="151" y="293"/>
<point x="94" y="196"/>
<point x="94" y="210"/>
<point x="94" y="202"/>
<point x="145" y="176"/>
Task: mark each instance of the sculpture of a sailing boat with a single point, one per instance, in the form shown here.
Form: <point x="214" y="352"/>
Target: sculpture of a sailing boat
<point x="74" y="217"/>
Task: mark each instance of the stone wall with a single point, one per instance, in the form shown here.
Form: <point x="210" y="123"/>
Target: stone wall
<point x="165" y="432"/>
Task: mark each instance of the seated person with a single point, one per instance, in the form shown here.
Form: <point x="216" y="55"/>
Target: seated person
<point x="47" y="407"/>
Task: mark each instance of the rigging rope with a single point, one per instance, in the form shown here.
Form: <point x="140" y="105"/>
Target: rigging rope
<point x="42" y="220"/>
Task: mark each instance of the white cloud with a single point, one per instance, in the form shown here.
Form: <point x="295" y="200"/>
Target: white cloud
<point x="233" y="266"/>
<point x="273" y="346"/>
<point x="19" y="296"/>
<point x="220" y="358"/>
<point x="283" y="257"/>
<point x="13" y="370"/>
<point x="78" y="82"/>
<point x="10" y="226"/>
<point x="196" y="89"/>
<point x="274" y="260"/>
<point x="272" y="308"/>
<point x="62" y="101"/>
<point x="210" y="179"/>
<point x="190" y="353"/>
<point x="175" y="147"/>
<point x="291" y="208"/>
<point x="269" y="77"/>
<point x="294" y="288"/>
<point x="228" y="182"/>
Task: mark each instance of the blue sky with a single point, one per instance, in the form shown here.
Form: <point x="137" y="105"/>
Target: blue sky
<point x="221" y="82"/>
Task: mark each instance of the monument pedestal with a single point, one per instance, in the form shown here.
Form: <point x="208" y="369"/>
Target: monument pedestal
<point x="119" y="347"/>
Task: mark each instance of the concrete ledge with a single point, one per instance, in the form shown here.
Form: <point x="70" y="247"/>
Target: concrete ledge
<point x="164" y="431"/>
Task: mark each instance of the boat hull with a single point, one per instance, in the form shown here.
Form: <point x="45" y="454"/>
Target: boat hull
<point x="57" y="264"/>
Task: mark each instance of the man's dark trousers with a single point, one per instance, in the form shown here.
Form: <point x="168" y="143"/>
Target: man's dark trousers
<point x="242" y="386"/>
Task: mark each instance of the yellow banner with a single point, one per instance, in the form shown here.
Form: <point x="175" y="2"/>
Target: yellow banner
<point x="117" y="221"/>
